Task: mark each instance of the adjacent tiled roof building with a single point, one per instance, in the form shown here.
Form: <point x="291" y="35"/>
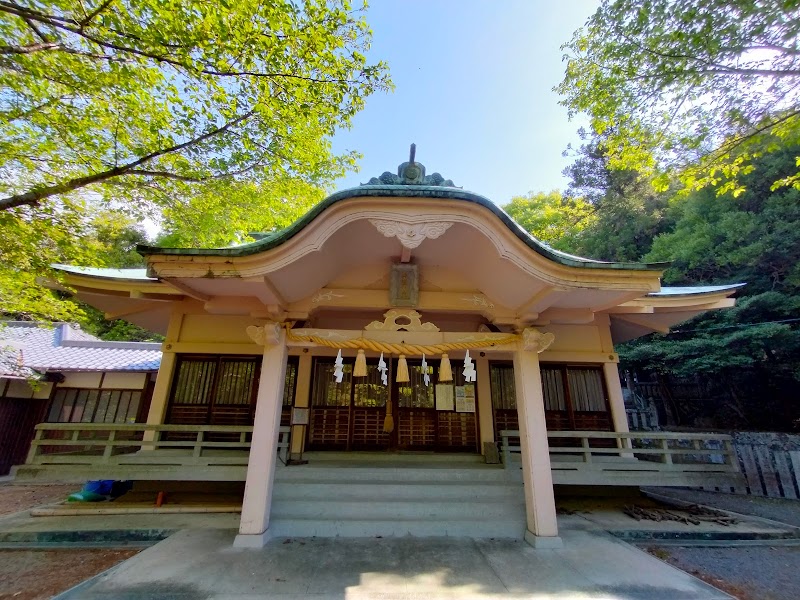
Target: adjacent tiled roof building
<point x="27" y="349"/>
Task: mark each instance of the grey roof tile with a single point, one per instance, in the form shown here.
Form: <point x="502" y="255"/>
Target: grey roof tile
<point x="65" y="347"/>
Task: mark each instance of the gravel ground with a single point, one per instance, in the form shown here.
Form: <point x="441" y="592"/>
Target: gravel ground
<point x="747" y="573"/>
<point x="777" y="509"/>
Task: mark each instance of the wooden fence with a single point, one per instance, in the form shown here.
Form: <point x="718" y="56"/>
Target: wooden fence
<point x="770" y="463"/>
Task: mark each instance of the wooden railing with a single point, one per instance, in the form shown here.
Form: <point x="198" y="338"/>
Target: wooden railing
<point x="112" y="443"/>
<point x="633" y="458"/>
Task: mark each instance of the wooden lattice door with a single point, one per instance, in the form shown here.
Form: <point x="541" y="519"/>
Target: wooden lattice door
<point x="420" y="426"/>
<point x="347" y="415"/>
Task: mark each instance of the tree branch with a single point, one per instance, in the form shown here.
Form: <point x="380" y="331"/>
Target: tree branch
<point x="90" y="17"/>
<point x="166" y="175"/>
<point x="28" y="49"/>
<point x="36" y="195"/>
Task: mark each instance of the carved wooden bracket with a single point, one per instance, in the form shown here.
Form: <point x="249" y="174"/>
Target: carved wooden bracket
<point x="534" y="340"/>
<point x="410" y="235"/>
<point x="266" y="335"/>
<point x="410" y="321"/>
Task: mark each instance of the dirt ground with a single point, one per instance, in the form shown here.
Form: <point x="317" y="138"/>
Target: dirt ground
<point x="41" y="574"/>
<point x="15" y="497"/>
<point x="34" y="574"/>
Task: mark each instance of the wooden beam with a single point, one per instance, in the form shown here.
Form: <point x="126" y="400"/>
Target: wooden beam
<point x="188" y="290"/>
<point x="119" y="314"/>
<point x="274" y="291"/>
<point x="458" y="302"/>
<point x="540" y="301"/>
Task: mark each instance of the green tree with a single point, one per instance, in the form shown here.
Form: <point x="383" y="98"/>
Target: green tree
<point x="167" y="110"/>
<point x="35" y="237"/>
<point x="130" y="98"/>
<point x="205" y="221"/>
<point x="552" y="218"/>
<point x="628" y="211"/>
<point x="696" y="87"/>
<point x="749" y="354"/>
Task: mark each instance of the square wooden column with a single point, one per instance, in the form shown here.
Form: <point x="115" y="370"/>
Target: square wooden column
<point x="615" y="400"/>
<point x="485" y="401"/>
<point x="254" y="524"/>
<point x="301" y="398"/>
<point x="540" y="506"/>
<point x="616" y="403"/>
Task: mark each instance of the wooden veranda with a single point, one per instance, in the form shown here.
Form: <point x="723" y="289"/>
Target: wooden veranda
<point x="78" y="452"/>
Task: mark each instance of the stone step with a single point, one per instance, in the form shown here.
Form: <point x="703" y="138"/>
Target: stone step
<point x="303" y="489"/>
<point x="476" y="527"/>
<point x="336" y="510"/>
<point x="392" y="473"/>
<point x="398" y="458"/>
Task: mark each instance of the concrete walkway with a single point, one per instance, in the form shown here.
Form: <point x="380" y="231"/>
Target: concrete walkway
<point x="202" y="565"/>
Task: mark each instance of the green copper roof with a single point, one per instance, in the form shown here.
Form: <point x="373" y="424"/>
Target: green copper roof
<point x="694" y="290"/>
<point x="121" y="274"/>
<point x="412" y="182"/>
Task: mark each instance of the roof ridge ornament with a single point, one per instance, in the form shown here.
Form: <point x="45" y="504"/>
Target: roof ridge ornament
<point x="411" y="173"/>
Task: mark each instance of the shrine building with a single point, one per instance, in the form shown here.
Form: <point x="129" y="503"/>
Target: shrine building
<point x="406" y="327"/>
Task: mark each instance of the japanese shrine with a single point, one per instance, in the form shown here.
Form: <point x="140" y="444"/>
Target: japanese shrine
<point x="404" y="319"/>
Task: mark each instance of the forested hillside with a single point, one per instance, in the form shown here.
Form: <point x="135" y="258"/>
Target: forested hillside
<point x="745" y="360"/>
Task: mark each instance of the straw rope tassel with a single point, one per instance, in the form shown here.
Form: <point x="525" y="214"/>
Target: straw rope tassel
<point x="402" y="370"/>
<point x="388" y="422"/>
<point x="445" y="372"/>
<point x="360" y="368"/>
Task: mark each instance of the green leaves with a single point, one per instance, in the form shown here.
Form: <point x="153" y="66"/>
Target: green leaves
<point x="700" y="89"/>
<point x="212" y="117"/>
<point x="189" y="90"/>
<point x="551" y="218"/>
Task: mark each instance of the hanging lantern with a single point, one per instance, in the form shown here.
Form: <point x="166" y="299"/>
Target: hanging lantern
<point x="402" y="370"/>
<point x="360" y="370"/>
<point x="445" y="372"/>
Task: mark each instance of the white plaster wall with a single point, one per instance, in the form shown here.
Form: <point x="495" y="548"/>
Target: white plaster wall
<point x="125" y="381"/>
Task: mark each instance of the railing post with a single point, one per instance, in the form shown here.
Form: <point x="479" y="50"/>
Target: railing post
<point x="667" y="460"/>
<point x="34" y="450"/>
<point x="198" y="444"/>
<point x="730" y="456"/>
<point x="587" y="449"/>
<point x="506" y="450"/>
<point x="112" y="435"/>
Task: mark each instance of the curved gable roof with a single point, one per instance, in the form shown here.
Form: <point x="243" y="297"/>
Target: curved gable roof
<point x="273" y="240"/>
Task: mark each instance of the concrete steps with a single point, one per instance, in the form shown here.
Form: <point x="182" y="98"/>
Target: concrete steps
<point x="463" y="499"/>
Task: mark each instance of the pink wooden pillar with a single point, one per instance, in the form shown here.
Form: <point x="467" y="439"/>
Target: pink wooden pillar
<point x="254" y="525"/>
<point x="540" y="507"/>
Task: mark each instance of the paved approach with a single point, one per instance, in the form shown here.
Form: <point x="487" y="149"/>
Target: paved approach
<point x="202" y="565"/>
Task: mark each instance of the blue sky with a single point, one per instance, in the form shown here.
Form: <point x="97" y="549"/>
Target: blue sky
<point x="474" y="83"/>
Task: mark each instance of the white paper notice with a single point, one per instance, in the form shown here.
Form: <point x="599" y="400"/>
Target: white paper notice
<point x="465" y="399"/>
<point x="444" y="396"/>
